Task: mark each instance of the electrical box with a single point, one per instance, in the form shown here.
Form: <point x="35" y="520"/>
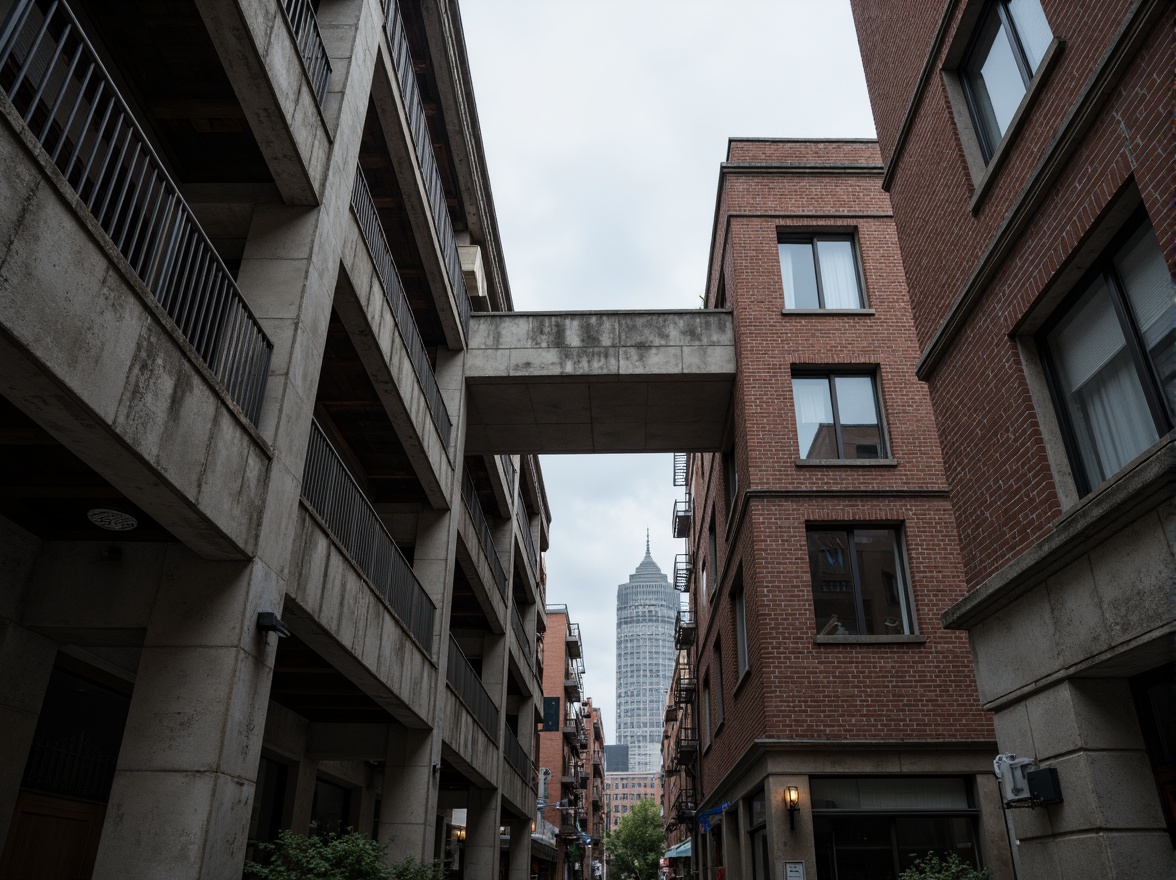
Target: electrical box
<point x="1011" y="771"/>
<point x="1044" y="788"/>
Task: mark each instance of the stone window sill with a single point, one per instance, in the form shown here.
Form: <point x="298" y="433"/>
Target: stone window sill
<point x="869" y="640"/>
<point x="865" y="313"/>
<point x="847" y="462"/>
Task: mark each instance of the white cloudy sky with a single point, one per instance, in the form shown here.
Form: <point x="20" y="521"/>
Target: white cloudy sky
<point x="604" y="124"/>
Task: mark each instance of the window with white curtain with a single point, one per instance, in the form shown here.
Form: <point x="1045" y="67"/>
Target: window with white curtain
<point x="837" y="416"/>
<point x="820" y="272"/>
<point x="1006" y="51"/>
<point x="1111" y="356"/>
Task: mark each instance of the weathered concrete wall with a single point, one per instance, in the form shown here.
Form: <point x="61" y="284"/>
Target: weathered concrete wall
<point x="599" y="381"/>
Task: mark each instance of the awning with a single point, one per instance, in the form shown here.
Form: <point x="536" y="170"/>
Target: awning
<point x="681" y="851"/>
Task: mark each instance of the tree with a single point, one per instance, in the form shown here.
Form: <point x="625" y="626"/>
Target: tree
<point x="636" y="844"/>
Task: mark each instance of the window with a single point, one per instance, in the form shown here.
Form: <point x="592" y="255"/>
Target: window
<point x="717" y="665"/>
<point x="820" y="272"/>
<point x="1006" y="51"/>
<point x="731" y="473"/>
<point x="858" y="585"/>
<point x="706" y="712"/>
<point x="1111" y="359"/>
<point x="837" y="417"/>
<point x="740" y="629"/>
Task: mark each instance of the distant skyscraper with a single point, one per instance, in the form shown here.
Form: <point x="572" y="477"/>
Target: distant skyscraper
<point x="646" y="608"/>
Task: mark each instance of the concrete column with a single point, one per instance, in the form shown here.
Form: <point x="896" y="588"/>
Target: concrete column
<point x="481" y="843"/>
<point x="520" y="848"/>
<point x="27" y="661"/>
<point x="190" y="751"/>
<point x="303" y="778"/>
<point x="1110" y="823"/>
<point x="785" y="843"/>
<point x="408" y="811"/>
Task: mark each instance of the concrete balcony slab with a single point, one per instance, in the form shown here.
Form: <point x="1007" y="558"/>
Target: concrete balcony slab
<point x="578" y="382"/>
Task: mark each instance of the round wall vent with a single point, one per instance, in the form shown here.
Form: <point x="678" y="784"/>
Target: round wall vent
<point x="112" y="520"/>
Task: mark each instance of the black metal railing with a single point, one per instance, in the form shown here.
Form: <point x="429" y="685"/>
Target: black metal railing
<point x="680" y="523"/>
<point x="55" y="81"/>
<point x="422" y="141"/>
<point x="508" y="469"/>
<point x="524" y="521"/>
<point x="332" y="493"/>
<point x="681" y="460"/>
<point x="373" y="235"/>
<point x="685" y="629"/>
<point x="682" y="572"/>
<point x="520" y="631"/>
<point x="73" y="766"/>
<point x="516" y="756"/>
<point x="473" y="505"/>
<point x="304" y="26"/>
<point x="469" y="689"/>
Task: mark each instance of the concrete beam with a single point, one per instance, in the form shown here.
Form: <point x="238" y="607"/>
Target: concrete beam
<point x="326" y="741"/>
<point x="574" y="382"/>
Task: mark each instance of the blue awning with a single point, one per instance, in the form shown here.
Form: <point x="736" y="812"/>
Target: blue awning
<point x="681" y="851"/>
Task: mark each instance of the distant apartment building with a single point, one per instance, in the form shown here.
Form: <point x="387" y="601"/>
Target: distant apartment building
<point x="623" y="790"/>
<point x="1027" y="149"/>
<point x="646" y="605"/>
<point x="569" y="736"/>
<point x="821" y="716"/>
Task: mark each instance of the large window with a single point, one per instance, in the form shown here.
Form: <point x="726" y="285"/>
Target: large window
<point x="717" y="666"/>
<point x="1111" y="357"/>
<point x="858" y="583"/>
<point x="1006" y="51"/>
<point x="820" y="272"/>
<point x="866" y="828"/>
<point x="837" y="417"/>
<point x="740" y="629"/>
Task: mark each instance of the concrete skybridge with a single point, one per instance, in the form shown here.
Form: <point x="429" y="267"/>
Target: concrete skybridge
<point x="573" y="382"/>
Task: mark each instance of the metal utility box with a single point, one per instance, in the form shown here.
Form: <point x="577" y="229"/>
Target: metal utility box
<point x="1011" y="770"/>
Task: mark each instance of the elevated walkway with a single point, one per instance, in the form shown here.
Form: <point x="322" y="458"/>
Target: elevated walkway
<point x="574" y="382"/>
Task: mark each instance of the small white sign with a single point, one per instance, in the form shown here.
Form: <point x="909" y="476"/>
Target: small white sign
<point x="791" y="870"/>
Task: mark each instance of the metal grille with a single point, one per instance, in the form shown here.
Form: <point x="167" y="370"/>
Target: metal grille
<point x="333" y="494"/>
<point x="422" y="140"/>
<point x="469" y="689"/>
<point x="682" y="572"/>
<point x="74" y="767"/>
<point x="56" y="83"/>
<point x="520" y="631"/>
<point x="680" y="461"/>
<point x="508" y="468"/>
<point x="304" y="26"/>
<point x="524" y="521"/>
<point x="373" y="235"/>
<point x="473" y="504"/>
<point x="516" y="756"/>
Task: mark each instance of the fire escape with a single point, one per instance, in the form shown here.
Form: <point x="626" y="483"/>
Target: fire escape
<point x="681" y="717"/>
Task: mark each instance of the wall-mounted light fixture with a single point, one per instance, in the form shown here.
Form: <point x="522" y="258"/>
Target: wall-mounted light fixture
<point x="793" y="805"/>
<point x="268" y="622"/>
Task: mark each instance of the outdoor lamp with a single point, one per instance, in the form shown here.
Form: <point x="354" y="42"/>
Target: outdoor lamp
<point x="793" y="805"/>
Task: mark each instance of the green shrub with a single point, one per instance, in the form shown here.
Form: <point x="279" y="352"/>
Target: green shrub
<point x="932" y="867"/>
<point x="349" y="856"/>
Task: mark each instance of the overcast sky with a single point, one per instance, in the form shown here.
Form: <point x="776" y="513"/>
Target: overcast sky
<point x="604" y="125"/>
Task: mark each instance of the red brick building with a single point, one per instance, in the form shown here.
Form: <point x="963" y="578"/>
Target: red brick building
<point x="1027" y="150"/>
<point x="565" y="757"/>
<point x="822" y="552"/>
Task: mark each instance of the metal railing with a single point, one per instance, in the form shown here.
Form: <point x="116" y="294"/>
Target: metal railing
<point x="73" y="766"/>
<point x="469" y="689"/>
<point x="473" y="505"/>
<point x="516" y="756"/>
<point x="55" y="81"/>
<point x="422" y="140"/>
<point x="304" y="26"/>
<point x="682" y="572"/>
<point x="332" y="493"/>
<point x="680" y="522"/>
<point x="373" y="235"/>
<point x="508" y="469"/>
<point x="524" y="521"/>
<point x="681" y="459"/>
<point x="520" y="632"/>
<point x="685" y="629"/>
